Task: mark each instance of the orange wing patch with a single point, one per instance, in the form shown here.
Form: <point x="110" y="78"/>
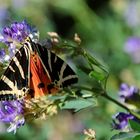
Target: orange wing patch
<point x="39" y="79"/>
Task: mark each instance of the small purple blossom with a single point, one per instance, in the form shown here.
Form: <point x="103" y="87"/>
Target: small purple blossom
<point x="18" y="31"/>
<point x="120" y="120"/>
<point x="2" y="53"/>
<point x="12" y="112"/>
<point x="14" y="36"/>
<point x="129" y="95"/>
<point x="3" y="56"/>
<point x="127" y="91"/>
<point x="132" y="47"/>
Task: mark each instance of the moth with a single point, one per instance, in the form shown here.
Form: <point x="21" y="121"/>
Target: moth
<point x="35" y="71"/>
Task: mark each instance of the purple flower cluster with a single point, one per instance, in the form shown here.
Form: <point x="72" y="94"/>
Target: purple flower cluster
<point x="129" y="95"/>
<point x="120" y="120"/>
<point x="18" y="31"/>
<point x="3" y="56"/>
<point x="132" y="47"/>
<point x="14" y="35"/>
<point x="12" y="112"/>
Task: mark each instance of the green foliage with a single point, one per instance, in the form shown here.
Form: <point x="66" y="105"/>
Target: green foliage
<point x="98" y="76"/>
<point x="125" y="136"/>
<point x="134" y="125"/>
<point x="103" y="30"/>
<point x="78" y="104"/>
<point x="136" y="137"/>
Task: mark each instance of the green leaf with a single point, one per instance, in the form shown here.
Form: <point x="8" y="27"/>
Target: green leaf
<point x="137" y="137"/>
<point x="96" y="75"/>
<point x="57" y="97"/>
<point x="94" y="61"/>
<point x="134" y="125"/>
<point x="78" y="104"/>
<point x="124" y="136"/>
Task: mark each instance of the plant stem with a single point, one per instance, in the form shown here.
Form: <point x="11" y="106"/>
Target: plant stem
<point x="121" y="105"/>
<point x="106" y="96"/>
<point x="115" y="101"/>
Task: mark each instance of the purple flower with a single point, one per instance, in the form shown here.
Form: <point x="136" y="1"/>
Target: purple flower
<point x="3" y="56"/>
<point x="18" y="31"/>
<point x="129" y="94"/>
<point x="13" y="36"/>
<point x="127" y="91"/>
<point x="132" y="47"/>
<point x="12" y="112"/>
<point x="120" y="120"/>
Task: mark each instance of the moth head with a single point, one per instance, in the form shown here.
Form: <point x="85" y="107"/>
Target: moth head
<point x="28" y="39"/>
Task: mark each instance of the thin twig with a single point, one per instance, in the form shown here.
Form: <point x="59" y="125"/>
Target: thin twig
<point x="106" y="96"/>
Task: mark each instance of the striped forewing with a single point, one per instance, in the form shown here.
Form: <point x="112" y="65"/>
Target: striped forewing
<point x="14" y="82"/>
<point x="60" y="72"/>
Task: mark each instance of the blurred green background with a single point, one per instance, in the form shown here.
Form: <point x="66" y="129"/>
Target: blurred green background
<point x="104" y="27"/>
